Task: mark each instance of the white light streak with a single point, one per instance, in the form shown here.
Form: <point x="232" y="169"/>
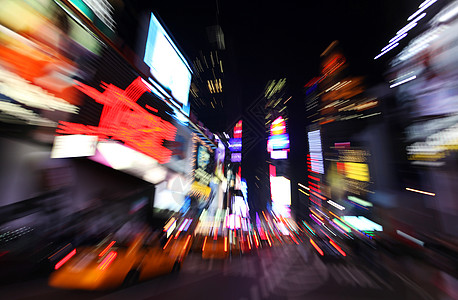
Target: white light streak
<point x="396" y="39"/>
<point x="371" y="115"/>
<point x="338" y="206"/>
<point x="406" y="28"/>
<point x="301" y="185"/>
<point x="410" y="238"/>
<point x="402" y="81"/>
<point x="386" y="51"/>
<point x="422" y="7"/>
<point x="421" y="192"/>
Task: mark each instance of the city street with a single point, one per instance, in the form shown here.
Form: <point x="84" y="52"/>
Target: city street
<point x="288" y="272"/>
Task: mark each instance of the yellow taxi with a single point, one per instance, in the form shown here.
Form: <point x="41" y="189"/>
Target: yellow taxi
<point x="215" y="247"/>
<point x="113" y="265"/>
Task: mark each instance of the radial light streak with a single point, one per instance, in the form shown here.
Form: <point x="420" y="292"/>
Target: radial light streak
<point x="421" y="192"/>
<point x="410" y="238"/>
<point x="402" y="81"/>
<point x="397" y="38"/>
<point x="386" y="51"/>
<point x="316" y="247"/>
<point x="338" y="206"/>
<point x="422" y="7"/>
<point x="65" y="259"/>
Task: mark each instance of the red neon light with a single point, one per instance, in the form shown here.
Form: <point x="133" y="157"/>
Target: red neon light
<point x="337" y="247"/>
<point x="238" y="130"/>
<point x="318" y="195"/>
<point x="65" y="259"/>
<point x="107" y="248"/>
<point x="314" y="178"/>
<point x="123" y="119"/>
<point x="166" y="244"/>
<point x="314" y="184"/>
<point x="248" y="240"/>
<point x="314" y="189"/>
<point x="272" y="170"/>
<point x="108" y="260"/>
<point x="316" y="247"/>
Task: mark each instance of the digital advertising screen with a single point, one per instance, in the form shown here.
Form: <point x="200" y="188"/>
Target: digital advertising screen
<point x="167" y="65"/>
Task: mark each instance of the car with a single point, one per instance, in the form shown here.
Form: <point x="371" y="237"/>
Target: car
<point x="111" y="265"/>
<point x="215" y="247"/>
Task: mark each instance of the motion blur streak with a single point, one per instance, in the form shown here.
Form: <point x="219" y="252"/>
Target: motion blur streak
<point x="107" y="248"/>
<point x="205" y="242"/>
<point x="421" y="192"/>
<point x="170" y="238"/>
<point x="316" y="247"/>
<point x="65" y="259"/>
<point x="337" y="247"/>
<point x="187" y="241"/>
<point x="108" y="260"/>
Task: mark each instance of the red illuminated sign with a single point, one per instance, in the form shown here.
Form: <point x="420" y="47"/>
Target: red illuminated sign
<point x="123" y="119"/>
<point x="238" y="130"/>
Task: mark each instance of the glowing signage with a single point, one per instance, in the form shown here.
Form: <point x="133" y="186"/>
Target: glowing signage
<point x="279" y="154"/>
<point x="278" y="142"/>
<point x="281" y="190"/>
<point x="235" y="144"/>
<point x="74" y="146"/>
<point x="278" y="126"/>
<point x="125" y="120"/>
<point x="236" y="157"/>
<point x="361" y="223"/>
<point x="278" y="139"/>
<point x="357" y="171"/>
<point x="238" y="130"/>
<point x="244" y="189"/>
<point x="167" y="64"/>
<point x="316" y="151"/>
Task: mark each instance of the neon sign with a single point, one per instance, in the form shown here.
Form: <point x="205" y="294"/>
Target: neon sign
<point x="235" y="144"/>
<point x="278" y="139"/>
<point x="278" y="126"/>
<point x="238" y="130"/>
<point x="125" y="120"/>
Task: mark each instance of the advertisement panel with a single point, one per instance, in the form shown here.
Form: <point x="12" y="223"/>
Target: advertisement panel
<point x="167" y="64"/>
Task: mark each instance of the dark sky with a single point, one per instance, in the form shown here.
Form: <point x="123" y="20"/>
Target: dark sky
<point x="271" y="39"/>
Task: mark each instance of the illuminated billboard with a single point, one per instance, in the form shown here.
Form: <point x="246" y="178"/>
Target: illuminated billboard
<point x="278" y="142"/>
<point x="236" y="157"/>
<point x="167" y="64"/>
<point x="278" y="139"/>
<point x="316" y="153"/>
<point x="235" y="145"/>
<point x="280" y="188"/>
<point x="357" y="171"/>
<point x="123" y="119"/>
